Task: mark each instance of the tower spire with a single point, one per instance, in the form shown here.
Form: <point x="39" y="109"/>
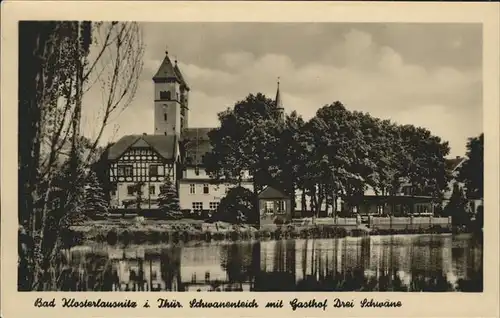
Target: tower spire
<point x="279" y="103"/>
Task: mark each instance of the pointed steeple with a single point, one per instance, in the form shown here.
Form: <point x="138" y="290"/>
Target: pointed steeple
<point x="279" y="103"/>
<point x="179" y="75"/>
<point x="167" y="71"/>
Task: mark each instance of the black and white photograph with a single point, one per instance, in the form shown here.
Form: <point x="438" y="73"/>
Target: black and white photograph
<point x="250" y="156"/>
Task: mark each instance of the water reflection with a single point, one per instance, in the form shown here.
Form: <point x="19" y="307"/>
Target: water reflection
<point x="380" y="263"/>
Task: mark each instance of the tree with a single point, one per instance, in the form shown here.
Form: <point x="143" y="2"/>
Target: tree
<point x="472" y="171"/>
<point x="289" y="155"/>
<point x="240" y="143"/>
<point x="238" y="206"/>
<point x="480" y="217"/>
<point x="58" y="63"/>
<point x="457" y="207"/>
<point x="426" y="167"/>
<point x="94" y="203"/>
<point x="168" y="200"/>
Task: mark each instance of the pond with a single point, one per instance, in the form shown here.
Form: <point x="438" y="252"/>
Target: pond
<point x="378" y="263"/>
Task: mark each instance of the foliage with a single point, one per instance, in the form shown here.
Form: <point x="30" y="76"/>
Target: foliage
<point x="480" y="217"/>
<point x="457" y="207"/>
<point x="472" y="171"/>
<point x="95" y="203"/>
<point x="238" y="145"/>
<point x="168" y="201"/>
<point x="238" y="206"/>
<point x="337" y="153"/>
<point x="59" y="62"/>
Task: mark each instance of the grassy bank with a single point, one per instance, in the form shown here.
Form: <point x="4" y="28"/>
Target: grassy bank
<point x="154" y="231"/>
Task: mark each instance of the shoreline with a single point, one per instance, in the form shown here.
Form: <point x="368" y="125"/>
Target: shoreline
<point x="113" y="232"/>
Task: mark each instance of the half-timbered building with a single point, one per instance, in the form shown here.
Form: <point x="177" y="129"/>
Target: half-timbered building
<point x="139" y="165"/>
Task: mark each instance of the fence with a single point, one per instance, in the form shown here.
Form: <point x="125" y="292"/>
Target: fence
<point x="401" y="223"/>
<point x="384" y="223"/>
<point x="336" y="221"/>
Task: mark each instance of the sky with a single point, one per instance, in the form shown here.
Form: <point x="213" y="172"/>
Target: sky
<point x="428" y="75"/>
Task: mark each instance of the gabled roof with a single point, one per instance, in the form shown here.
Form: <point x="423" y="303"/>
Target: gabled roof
<point x="196" y="145"/>
<point x="271" y="193"/>
<point x="453" y="164"/>
<point x="165" y="146"/>
<point x="167" y="71"/>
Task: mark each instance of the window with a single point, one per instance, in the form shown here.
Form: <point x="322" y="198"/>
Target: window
<point x="270" y="207"/>
<point x="197" y="206"/>
<point x="113" y="192"/>
<point x="380" y="209"/>
<point x="206" y="189"/>
<point x="130" y="190"/>
<point x="156" y="170"/>
<point x="197" y="171"/>
<point x="165" y="133"/>
<point x="177" y="96"/>
<point x="165" y="95"/>
<point x="192" y="189"/>
<point x="125" y="170"/>
<point x="281" y="206"/>
<point x="165" y="117"/>
<point x="152" y="189"/>
<point x="213" y="205"/>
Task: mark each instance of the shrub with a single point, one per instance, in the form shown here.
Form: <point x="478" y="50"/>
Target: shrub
<point x="238" y="206"/>
<point x="168" y="200"/>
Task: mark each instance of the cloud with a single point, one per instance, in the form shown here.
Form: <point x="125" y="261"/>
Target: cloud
<point x="352" y="68"/>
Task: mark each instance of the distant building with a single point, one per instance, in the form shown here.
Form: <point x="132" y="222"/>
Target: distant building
<point x="196" y="190"/>
<point x="273" y="205"/>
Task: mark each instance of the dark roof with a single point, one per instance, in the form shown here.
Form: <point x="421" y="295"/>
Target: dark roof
<point x="453" y="164"/>
<point x="179" y="75"/>
<point x="196" y="145"/>
<point x="167" y="71"/>
<point x="165" y="146"/>
<point x="271" y="193"/>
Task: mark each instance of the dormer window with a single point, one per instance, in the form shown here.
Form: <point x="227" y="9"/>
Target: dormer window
<point x="165" y="95"/>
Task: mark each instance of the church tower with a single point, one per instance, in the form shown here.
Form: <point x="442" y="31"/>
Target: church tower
<point x="171" y="99"/>
<point x="279" y="104"/>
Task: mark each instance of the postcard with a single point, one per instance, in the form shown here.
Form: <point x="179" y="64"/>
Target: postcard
<point x="262" y="159"/>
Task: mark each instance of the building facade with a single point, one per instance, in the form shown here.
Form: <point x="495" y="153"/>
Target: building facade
<point x="141" y="163"/>
<point x="174" y="151"/>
